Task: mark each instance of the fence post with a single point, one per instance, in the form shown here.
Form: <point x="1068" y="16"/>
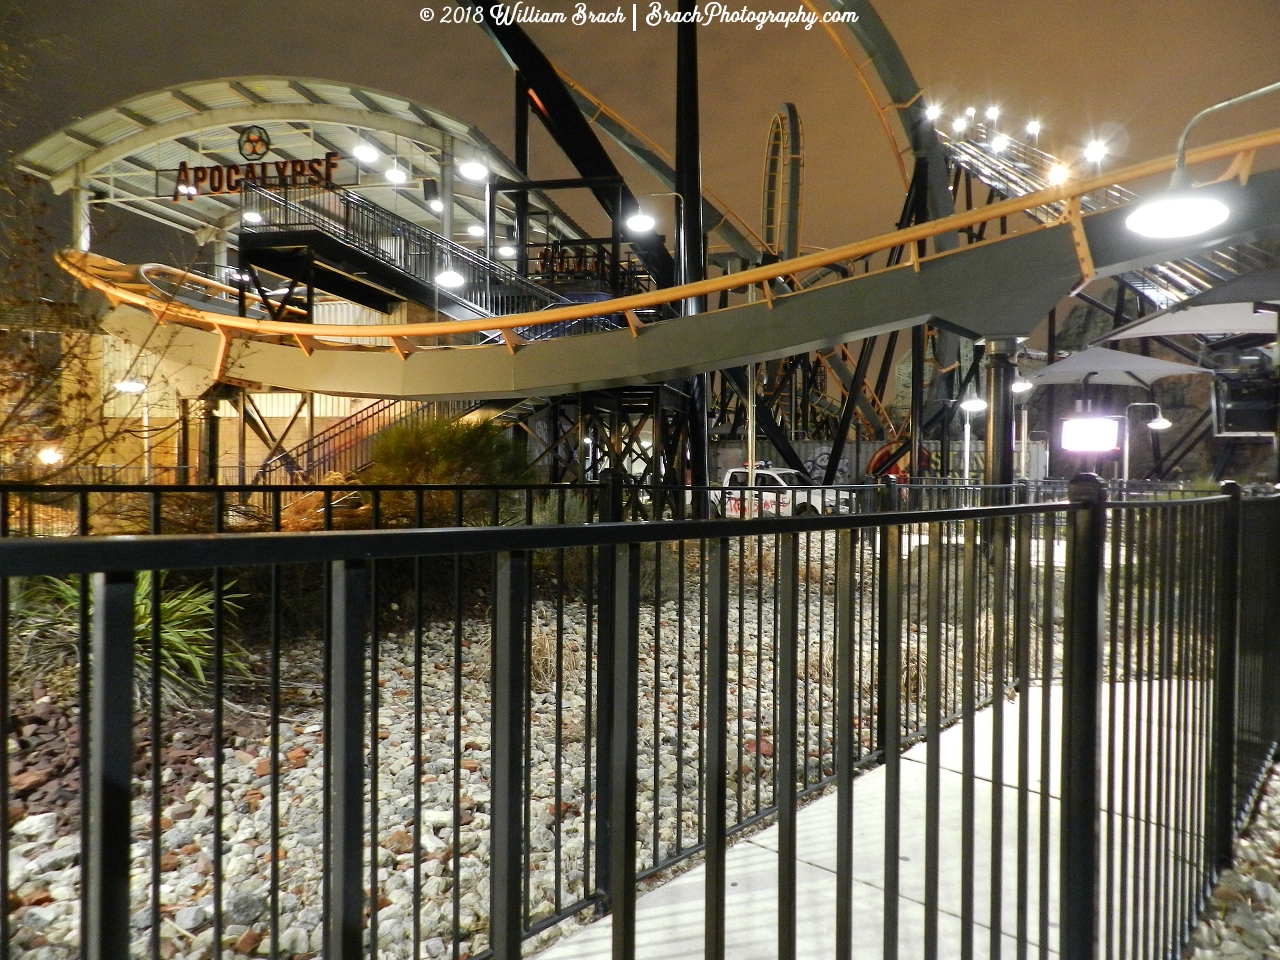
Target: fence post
<point x="346" y="752"/>
<point x="110" y="786"/>
<point x="622" y="736"/>
<point x="507" y="668"/>
<point x="1222" y="829"/>
<point x="1081" y="735"/>
<point x="609" y="511"/>
<point x="785" y="739"/>
<point x="717" y="719"/>
<point x="889" y="719"/>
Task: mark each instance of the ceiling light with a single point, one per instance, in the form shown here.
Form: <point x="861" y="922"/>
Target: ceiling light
<point x="1059" y="174"/>
<point x="640" y="222"/>
<point x="960" y="125"/>
<point x="449" y="278"/>
<point x="396" y="175"/>
<point x="933" y="112"/>
<point x="49" y="456"/>
<point x="1094" y="151"/>
<point x="130" y="386"/>
<point x="1090" y="434"/>
<point x="252" y="216"/>
<point x="506" y="250"/>
<point x="973" y="405"/>
<point x="473" y="170"/>
<point x="970" y="112"/>
<point x="437" y="206"/>
<point x="475" y="230"/>
<point x="365" y="153"/>
<point x="1021" y="386"/>
<point x="1033" y="128"/>
<point x="993" y="114"/>
<point x="1160" y="423"/>
<point x="999" y="144"/>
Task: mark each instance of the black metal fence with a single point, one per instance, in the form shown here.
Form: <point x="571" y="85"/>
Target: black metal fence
<point x="1037" y="724"/>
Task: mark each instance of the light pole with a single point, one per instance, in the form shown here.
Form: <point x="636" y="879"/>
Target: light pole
<point x="1179" y="212"/>
<point x="971" y="406"/>
<point x="1157" y="423"/>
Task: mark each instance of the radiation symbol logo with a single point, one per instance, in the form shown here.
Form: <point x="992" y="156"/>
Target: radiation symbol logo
<point x="254" y="143"/>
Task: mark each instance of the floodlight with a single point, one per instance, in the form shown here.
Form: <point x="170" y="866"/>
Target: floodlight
<point x="1033" y="128"/>
<point x="933" y="111"/>
<point x="1160" y="423"/>
<point x="993" y="113"/>
<point x="1059" y="174"/>
<point x="475" y="230"/>
<point x="1021" y="386"/>
<point x="396" y="175"/>
<point x="960" y="124"/>
<point x="973" y="405"/>
<point x="131" y="386"/>
<point x="999" y="144"/>
<point x="365" y="153"/>
<point x="437" y="206"/>
<point x="640" y="222"/>
<point x="449" y="278"/>
<point x="971" y="112"/>
<point x="252" y="216"/>
<point x="473" y="170"/>
<point x="1094" y="151"/>
<point x="506" y="250"/>
<point x="49" y="456"/>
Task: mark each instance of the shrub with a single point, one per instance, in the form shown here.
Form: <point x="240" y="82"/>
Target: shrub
<point x="445" y="451"/>
<point x="50" y="608"/>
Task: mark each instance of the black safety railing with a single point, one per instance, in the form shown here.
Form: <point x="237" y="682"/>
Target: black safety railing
<point x="456" y="742"/>
<point x="489" y="287"/>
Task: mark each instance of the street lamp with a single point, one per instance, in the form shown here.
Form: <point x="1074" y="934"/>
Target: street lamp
<point x="1178" y="212"/>
<point x="970" y="406"/>
<point x="1159" y="422"/>
<point x="136" y="387"/>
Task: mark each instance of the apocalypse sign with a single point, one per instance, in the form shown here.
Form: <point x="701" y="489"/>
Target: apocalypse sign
<point x="192" y="181"/>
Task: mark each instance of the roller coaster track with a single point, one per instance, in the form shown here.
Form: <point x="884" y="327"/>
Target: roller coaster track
<point x="1000" y="286"/>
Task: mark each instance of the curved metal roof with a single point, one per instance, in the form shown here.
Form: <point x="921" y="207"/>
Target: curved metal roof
<point x="126" y="155"/>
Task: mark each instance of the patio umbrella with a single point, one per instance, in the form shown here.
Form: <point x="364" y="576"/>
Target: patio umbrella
<point x="1115" y="367"/>
<point x="1254" y="286"/>
<point x="1211" y="319"/>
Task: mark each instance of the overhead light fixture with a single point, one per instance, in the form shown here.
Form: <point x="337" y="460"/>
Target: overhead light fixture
<point x="1033" y="128"/>
<point x="1179" y="212"/>
<point x="252" y="216"/>
<point x="960" y="125"/>
<point x="1094" y="151"/>
<point x="473" y="170"/>
<point x="449" y="278"/>
<point x="437" y="206"/>
<point x="396" y="175"/>
<point x="506" y="250"/>
<point x="933" y="111"/>
<point x="1059" y="174"/>
<point x="365" y="153"/>
<point x="970" y="112"/>
<point x="130" y="386"/>
<point x="1090" y="434"/>
<point x="640" y="222"/>
<point x="999" y="143"/>
<point x="993" y="113"/>
<point x="1021" y="386"/>
<point x="475" y="230"/>
<point x="49" y="456"/>
<point x="973" y="405"/>
<point x="1160" y="423"/>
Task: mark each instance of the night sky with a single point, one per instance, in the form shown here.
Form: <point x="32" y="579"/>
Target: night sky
<point x="1133" y="72"/>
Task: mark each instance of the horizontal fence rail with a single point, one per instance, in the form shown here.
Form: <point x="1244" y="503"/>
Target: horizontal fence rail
<point x="1007" y="726"/>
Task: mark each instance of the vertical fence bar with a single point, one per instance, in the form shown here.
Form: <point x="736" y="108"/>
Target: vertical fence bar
<point x="609" y="511"/>
<point x="785" y="738"/>
<point x="510" y="614"/>
<point x="968" y="708"/>
<point x="622" y="736"/>
<point x="1081" y="683"/>
<point x="890" y="682"/>
<point x="845" y="737"/>
<point x="345" y="740"/>
<point x="1222" y="825"/>
<point x="717" y="686"/>
<point x="110" y="785"/>
<point x="1022" y="671"/>
<point x="933" y="760"/>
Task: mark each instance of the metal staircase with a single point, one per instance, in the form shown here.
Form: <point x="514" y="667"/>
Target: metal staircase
<point x="1010" y="168"/>
<point x="369" y="255"/>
